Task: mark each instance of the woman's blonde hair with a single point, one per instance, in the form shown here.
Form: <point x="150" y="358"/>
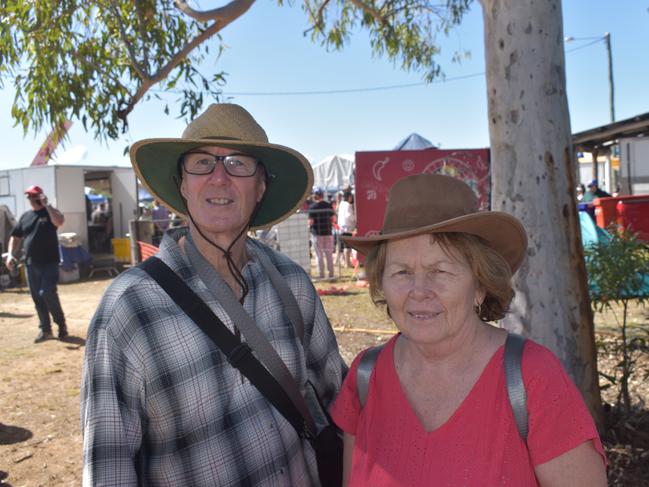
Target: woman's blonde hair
<point x="489" y="269"/>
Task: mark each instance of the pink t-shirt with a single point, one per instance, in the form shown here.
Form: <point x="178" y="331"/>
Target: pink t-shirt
<point x="479" y="444"/>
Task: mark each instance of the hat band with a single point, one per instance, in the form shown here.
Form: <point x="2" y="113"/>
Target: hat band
<point x="220" y="138"/>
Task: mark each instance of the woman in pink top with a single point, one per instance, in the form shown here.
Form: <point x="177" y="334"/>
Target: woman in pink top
<point x="437" y="411"/>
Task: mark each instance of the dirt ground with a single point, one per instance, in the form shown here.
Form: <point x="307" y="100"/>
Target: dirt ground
<point x="40" y="440"/>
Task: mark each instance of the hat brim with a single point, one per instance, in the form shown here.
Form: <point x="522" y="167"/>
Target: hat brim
<point x="502" y="232"/>
<point x="155" y="163"/>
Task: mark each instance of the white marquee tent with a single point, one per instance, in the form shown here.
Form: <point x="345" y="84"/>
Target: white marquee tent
<point x="337" y="172"/>
<point x="334" y="172"/>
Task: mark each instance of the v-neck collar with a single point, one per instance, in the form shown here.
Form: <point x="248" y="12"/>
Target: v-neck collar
<point x="407" y="407"/>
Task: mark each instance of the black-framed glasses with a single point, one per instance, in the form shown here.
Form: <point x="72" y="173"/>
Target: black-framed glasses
<point x="238" y="165"/>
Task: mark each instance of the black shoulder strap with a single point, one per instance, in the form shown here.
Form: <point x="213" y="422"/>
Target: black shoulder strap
<point x="238" y="353"/>
<point x="515" y="385"/>
<point x="364" y="372"/>
<point x="513" y="377"/>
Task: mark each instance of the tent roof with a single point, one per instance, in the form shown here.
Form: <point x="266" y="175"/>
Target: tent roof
<point x="334" y="172"/>
<point x="330" y="159"/>
<point x="414" y="142"/>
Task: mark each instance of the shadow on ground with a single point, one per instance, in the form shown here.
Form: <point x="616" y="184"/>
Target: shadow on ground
<point x="13" y="434"/>
<point x="73" y="340"/>
<point x="4" y="314"/>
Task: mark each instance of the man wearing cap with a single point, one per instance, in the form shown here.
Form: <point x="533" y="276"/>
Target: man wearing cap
<point x="161" y="404"/>
<point x="594" y="191"/>
<point x="36" y="228"/>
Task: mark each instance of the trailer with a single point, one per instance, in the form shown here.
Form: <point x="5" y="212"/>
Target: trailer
<point x="634" y="165"/>
<point x="64" y="185"/>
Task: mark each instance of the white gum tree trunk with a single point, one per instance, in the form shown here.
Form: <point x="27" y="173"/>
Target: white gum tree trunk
<point x="533" y="178"/>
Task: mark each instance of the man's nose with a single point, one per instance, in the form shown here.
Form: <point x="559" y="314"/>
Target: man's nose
<point x="219" y="174"/>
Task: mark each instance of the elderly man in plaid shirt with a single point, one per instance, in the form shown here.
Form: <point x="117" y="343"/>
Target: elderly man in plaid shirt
<point x="160" y="404"/>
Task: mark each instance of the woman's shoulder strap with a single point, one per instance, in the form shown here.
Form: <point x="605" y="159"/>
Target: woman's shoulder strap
<point x="514" y="379"/>
<point x="364" y="371"/>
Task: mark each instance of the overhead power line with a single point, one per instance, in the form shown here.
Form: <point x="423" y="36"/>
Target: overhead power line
<point x="337" y="91"/>
<point x="359" y="90"/>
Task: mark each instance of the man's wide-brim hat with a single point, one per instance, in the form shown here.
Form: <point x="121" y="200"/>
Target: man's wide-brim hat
<point x="230" y="126"/>
<point x="433" y="203"/>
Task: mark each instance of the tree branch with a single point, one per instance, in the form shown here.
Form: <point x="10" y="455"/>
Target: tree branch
<point x="318" y="21"/>
<point x="141" y="70"/>
<point x="222" y="17"/>
<point x="372" y="11"/>
<point x="232" y="10"/>
<point x="143" y="32"/>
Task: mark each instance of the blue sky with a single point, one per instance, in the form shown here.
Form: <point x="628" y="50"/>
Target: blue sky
<point x="267" y="53"/>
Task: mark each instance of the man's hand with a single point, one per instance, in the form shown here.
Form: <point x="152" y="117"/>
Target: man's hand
<point x="10" y="261"/>
<point x="55" y="215"/>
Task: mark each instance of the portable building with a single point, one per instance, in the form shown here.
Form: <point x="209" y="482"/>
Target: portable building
<point x="64" y="187"/>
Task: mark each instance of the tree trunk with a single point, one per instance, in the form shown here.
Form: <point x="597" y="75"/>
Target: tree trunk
<point x="533" y="178"/>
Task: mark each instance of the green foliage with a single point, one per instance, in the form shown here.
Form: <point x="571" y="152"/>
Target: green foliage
<point x="93" y="61"/>
<point x="617" y="268"/>
<point x="618" y="271"/>
<point x="405" y="31"/>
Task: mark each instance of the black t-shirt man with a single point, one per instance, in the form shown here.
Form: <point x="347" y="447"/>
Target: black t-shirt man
<point x="321" y="218"/>
<point x="41" y="242"/>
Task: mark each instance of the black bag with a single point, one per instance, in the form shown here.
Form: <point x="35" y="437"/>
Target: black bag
<point x="329" y="456"/>
<point x="328" y="443"/>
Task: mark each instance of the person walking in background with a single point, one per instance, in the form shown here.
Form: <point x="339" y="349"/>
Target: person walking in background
<point x="100" y="214"/>
<point x="320" y="215"/>
<point x="36" y="229"/>
<point x="101" y="224"/>
<point x="594" y="191"/>
<point x="346" y="218"/>
<point x="160" y="216"/>
<point x="145" y="226"/>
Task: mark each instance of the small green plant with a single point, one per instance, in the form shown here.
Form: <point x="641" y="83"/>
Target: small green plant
<point x="618" y="272"/>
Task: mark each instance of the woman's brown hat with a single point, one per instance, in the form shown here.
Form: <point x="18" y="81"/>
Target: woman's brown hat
<point x="433" y="203"/>
<point x="226" y="125"/>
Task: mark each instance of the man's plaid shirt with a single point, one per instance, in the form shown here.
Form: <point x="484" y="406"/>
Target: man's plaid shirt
<point x="161" y="406"/>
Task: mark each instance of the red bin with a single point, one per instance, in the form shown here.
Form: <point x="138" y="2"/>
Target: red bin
<point x="633" y="213"/>
<point x="605" y="210"/>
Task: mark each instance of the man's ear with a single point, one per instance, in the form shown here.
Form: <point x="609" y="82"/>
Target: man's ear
<point x="261" y="188"/>
<point x="183" y="189"/>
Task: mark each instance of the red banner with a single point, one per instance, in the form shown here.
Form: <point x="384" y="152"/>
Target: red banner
<point x="376" y="172"/>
